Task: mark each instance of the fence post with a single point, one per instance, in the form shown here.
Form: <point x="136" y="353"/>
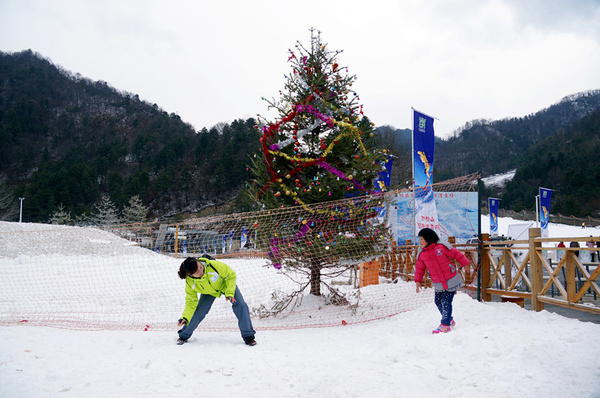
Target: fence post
<point x="395" y="271"/>
<point x="408" y="268"/>
<point x="537" y="276"/>
<point x="570" y="275"/>
<point x="485" y="268"/>
<point x="507" y="267"/>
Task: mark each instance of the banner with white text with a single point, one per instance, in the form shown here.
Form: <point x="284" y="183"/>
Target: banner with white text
<point x="458" y="215"/>
<point x="425" y="211"/>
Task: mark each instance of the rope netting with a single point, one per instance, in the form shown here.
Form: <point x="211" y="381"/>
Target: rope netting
<point x="320" y="265"/>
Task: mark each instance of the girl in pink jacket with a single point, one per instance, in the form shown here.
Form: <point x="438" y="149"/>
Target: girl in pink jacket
<point x="435" y="257"/>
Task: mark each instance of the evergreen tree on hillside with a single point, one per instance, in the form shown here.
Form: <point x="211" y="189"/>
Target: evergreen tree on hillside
<point x="320" y="149"/>
<point x="61" y="217"/>
<point x="135" y="211"/>
<point x="106" y="213"/>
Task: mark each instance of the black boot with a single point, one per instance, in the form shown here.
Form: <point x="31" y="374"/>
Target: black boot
<point x="181" y="341"/>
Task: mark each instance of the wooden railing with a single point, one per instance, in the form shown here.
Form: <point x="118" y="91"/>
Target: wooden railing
<point x="534" y="269"/>
<point x="400" y="261"/>
<point x="538" y="270"/>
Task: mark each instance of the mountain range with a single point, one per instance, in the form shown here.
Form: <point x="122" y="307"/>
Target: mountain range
<point x="67" y="141"/>
<point x="555" y="148"/>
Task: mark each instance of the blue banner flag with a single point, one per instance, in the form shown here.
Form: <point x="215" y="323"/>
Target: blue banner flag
<point x="385" y="176"/>
<point x="423" y="148"/>
<point x="244" y="237"/>
<point x="425" y="213"/>
<point x="545" y="197"/>
<point x="494" y="215"/>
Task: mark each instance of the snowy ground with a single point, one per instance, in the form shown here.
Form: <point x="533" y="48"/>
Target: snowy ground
<point x="496" y="350"/>
<point x="499" y="180"/>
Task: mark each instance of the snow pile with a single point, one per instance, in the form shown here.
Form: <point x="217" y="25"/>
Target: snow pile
<point x="24" y="239"/>
<point x="116" y="286"/>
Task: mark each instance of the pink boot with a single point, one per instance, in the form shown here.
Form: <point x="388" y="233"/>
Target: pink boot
<point x="442" y="329"/>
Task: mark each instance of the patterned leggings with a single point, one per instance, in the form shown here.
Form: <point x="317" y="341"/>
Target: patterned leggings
<point x="443" y="300"/>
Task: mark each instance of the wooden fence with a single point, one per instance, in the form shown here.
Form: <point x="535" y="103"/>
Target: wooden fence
<point x="538" y="270"/>
<point x="399" y="262"/>
<point x="534" y="269"/>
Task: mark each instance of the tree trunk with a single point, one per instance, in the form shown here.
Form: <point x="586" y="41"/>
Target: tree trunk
<point x="315" y="278"/>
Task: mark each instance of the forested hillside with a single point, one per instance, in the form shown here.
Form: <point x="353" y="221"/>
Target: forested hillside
<point x="566" y="162"/>
<point x="68" y="140"/>
<point x="492" y="147"/>
<point x="554" y="148"/>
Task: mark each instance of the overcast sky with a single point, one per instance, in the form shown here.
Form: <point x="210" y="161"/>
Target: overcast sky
<point x="212" y="61"/>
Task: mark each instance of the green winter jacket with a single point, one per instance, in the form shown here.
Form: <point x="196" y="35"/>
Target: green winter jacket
<point x="218" y="279"/>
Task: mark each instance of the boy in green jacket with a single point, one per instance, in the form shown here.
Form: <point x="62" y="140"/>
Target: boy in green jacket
<point x="210" y="278"/>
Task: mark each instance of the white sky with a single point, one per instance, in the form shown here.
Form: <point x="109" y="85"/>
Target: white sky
<point x="212" y="61"/>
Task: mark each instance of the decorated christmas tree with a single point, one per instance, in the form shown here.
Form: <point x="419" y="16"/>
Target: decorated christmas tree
<point x="321" y="149"/>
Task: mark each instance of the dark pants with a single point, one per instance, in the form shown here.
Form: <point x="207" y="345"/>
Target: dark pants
<point x="443" y="300"/>
<point x="240" y="309"/>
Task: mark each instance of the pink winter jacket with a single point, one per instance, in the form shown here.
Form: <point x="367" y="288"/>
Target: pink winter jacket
<point x="436" y="258"/>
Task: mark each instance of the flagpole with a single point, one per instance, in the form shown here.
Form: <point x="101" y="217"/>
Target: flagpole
<point x="537" y="211"/>
<point x="412" y="140"/>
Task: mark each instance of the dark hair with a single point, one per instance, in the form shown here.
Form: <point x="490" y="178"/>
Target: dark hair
<point x="429" y="235"/>
<point x="575" y="244"/>
<point x="188" y="266"/>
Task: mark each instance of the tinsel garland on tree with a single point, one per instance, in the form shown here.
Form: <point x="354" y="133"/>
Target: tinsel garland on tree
<point x="320" y="149"/>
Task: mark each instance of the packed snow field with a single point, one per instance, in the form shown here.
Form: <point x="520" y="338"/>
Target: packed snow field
<point x="90" y="279"/>
<point x="496" y="350"/>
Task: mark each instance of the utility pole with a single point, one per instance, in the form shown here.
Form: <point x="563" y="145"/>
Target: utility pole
<point x="21" y="209"/>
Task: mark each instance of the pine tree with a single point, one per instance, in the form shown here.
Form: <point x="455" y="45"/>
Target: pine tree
<point x="320" y="149"/>
<point x="135" y="212"/>
<point x="61" y="217"/>
<point x="106" y="213"/>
